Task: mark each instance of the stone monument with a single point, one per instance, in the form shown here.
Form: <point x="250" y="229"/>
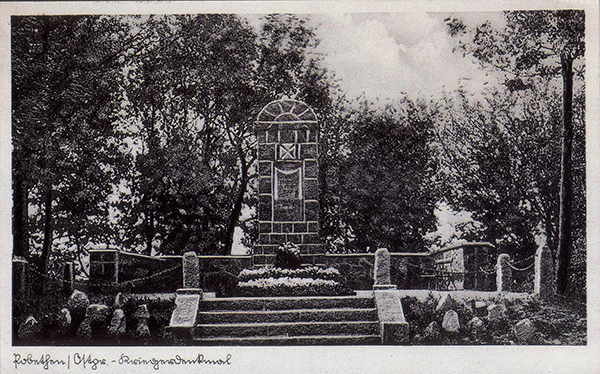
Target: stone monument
<point x="288" y="187"/>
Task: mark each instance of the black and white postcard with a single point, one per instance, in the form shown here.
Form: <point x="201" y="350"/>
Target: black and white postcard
<point x="300" y="186"/>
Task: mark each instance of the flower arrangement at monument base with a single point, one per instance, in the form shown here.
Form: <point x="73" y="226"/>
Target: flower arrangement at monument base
<point x="286" y="286"/>
<point x="314" y="272"/>
<point x="287" y="277"/>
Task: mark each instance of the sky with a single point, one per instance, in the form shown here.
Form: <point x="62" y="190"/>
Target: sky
<point x="384" y="55"/>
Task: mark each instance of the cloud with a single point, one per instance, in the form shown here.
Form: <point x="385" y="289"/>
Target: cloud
<point x="383" y="55"/>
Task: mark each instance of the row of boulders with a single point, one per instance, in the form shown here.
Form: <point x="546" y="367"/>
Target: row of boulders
<point x="481" y="321"/>
<point x="86" y="320"/>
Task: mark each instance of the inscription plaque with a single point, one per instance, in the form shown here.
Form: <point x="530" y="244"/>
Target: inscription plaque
<point x="288" y="184"/>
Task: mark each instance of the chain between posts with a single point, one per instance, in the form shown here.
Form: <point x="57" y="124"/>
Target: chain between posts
<point x="512" y="264"/>
<point x="120" y="284"/>
<point x="519" y="269"/>
<point x="489" y="271"/>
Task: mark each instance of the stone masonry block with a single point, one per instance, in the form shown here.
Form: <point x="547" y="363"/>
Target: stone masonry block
<point x="308" y="150"/>
<point x="277" y="238"/>
<point x="312" y="210"/>
<point x="310" y="238"/>
<point x="312" y="248"/>
<point x="313" y="226"/>
<point x="266" y="152"/>
<point x="287" y="227"/>
<point x="264" y="185"/>
<point x="301" y="135"/>
<point x="287" y="136"/>
<point x="265" y="168"/>
<point x="294" y="238"/>
<point x="263" y="238"/>
<point x="311" y="169"/>
<point x="262" y="136"/>
<point x="272" y="135"/>
<point x="265" y="227"/>
<point x="311" y="189"/>
<point x="265" y="207"/>
<point x="395" y="329"/>
<point x="300" y="227"/>
<point x="269" y="249"/>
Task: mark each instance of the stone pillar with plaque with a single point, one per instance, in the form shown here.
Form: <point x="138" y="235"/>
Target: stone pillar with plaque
<point x="288" y="188"/>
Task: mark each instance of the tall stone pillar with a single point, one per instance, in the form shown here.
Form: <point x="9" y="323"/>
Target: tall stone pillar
<point x="288" y="187"/>
<point x="503" y="273"/>
<point x="382" y="279"/>
<point x="543" y="282"/>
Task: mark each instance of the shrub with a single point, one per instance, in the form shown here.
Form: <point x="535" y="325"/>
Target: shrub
<point x="288" y="256"/>
<point x="222" y="282"/>
<point x="286" y="286"/>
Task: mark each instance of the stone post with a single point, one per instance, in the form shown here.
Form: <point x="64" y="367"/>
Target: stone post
<point x="188" y="298"/>
<point x="503" y="273"/>
<point x="543" y="282"/>
<point x="381" y="272"/>
<point x="191" y="270"/>
<point x="68" y="279"/>
<point x="20" y="281"/>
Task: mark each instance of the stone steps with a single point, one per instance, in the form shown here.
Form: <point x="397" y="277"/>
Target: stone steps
<point x="307" y="315"/>
<point x="315" y="320"/>
<point x="287" y="329"/>
<point x="286" y="303"/>
<point x="291" y="340"/>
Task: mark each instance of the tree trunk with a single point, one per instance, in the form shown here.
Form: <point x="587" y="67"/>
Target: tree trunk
<point x="20" y="216"/>
<point x="566" y="180"/>
<point x="47" y="230"/>
<point x="237" y="206"/>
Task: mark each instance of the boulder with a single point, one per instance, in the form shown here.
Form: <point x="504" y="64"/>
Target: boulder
<point x="29" y="329"/>
<point x="78" y="302"/>
<point x="480" y="308"/>
<point x="97" y="313"/>
<point x="476" y="326"/>
<point x="143" y="331"/>
<point x="432" y="332"/>
<point x="84" y="332"/>
<point x="446" y="303"/>
<point x="496" y="312"/>
<point x="118" y="325"/>
<point x="451" y="322"/>
<point x="525" y="331"/>
<point x="64" y="321"/>
<point x="141" y="313"/>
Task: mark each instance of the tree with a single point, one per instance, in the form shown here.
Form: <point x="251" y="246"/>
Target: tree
<point x="499" y="157"/>
<point x="532" y="46"/>
<point x="381" y="187"/>
<point x="65" y="151"/>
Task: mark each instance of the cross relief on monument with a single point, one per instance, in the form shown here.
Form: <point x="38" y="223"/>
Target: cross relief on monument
<point x="288" y="151"/>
